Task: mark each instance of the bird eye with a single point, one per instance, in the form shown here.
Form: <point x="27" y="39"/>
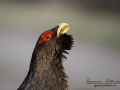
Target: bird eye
<point x="48" y="37"/>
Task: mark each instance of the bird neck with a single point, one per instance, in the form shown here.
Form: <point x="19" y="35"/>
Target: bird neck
<point x="45" y="75"/>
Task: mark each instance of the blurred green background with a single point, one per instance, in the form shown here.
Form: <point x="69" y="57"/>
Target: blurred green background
<point x="95" y="26"/>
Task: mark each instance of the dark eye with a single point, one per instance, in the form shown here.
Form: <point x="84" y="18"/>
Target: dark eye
<point x="48" y="37"/>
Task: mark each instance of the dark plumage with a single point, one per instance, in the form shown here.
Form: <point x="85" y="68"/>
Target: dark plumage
<point x="46" y="71"/>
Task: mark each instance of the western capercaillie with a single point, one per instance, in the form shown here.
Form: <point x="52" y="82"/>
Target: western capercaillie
<point x="46" y="71"/>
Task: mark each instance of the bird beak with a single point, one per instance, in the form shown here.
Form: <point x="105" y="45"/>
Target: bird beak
<point x="63" y="28"/>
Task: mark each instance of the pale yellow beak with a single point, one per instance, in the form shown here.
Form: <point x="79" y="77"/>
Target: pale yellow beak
<point x="63" y="28"/>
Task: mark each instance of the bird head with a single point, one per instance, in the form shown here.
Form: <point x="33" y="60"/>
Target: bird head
<point x="55" y="40"/>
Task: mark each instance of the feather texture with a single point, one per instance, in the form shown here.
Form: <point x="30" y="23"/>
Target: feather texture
<point x="46" y="70"/>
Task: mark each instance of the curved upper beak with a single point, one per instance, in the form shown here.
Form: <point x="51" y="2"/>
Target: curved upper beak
<point x="63" y="28"/>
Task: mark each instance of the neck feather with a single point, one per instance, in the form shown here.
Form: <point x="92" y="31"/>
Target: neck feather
<point x="45" y="73"/>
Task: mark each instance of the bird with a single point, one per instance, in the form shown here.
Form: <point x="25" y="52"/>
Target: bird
<point x="46" y="70"/>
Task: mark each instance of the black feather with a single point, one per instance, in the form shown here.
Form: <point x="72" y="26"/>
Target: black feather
<point x="46" y="70"/>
